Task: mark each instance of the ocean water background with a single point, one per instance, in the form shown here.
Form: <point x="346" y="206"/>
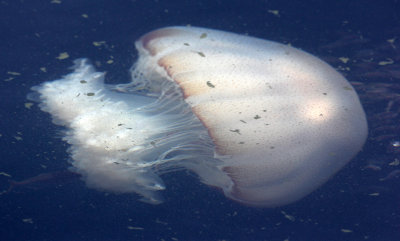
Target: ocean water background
<point x="360" y="38"/>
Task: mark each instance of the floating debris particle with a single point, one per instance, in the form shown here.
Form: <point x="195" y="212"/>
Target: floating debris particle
<point x="203" y="35"/>
<point x="209" y="84"/>
<point x="62" y="56"/>
<point x="85" y="15"/>
<point x="43" y="69"/>
<point x="135" y="228"/>
<point x="343" y="68"/>
<point x="28" y="105"/>
<point x="374" y="194"/>
<point x="201" y="54"/>
<point x="99" y="43"/>
<point x="236" y="131"/>
<point x="9" y="79"/>
<point x="27" y="220"/>
<point x="346" y="230"/>
<point x="373" y="167"/>
<point x="396" y="162"/>
<point x="396" y="143"/>
<point x="391" y="42"/>
<point x="110" y="61"/>
<point x="290" y="217"/>
<point x="388" y="61"/>
<point x="344" y="59"/>
<point x="161" y="222"/>
<point x="5" y="174"/>
<point x="274" y="12"/>
<point x="392" y="175"/>
<point x="13" y="73"/>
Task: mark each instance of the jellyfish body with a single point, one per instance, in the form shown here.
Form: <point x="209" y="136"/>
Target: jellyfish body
<point x="264" y="122"/>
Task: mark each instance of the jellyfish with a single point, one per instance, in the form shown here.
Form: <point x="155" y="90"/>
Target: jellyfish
<point x="263" y="122"/>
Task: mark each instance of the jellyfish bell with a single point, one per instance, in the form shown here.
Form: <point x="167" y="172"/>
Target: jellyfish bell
<point x="264" y="122"/>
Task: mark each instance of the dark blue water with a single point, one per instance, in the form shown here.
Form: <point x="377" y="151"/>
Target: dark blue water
<point x="357" y="204"/>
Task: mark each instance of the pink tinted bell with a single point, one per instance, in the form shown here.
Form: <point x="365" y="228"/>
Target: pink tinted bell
<point x="281" y="120"/>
